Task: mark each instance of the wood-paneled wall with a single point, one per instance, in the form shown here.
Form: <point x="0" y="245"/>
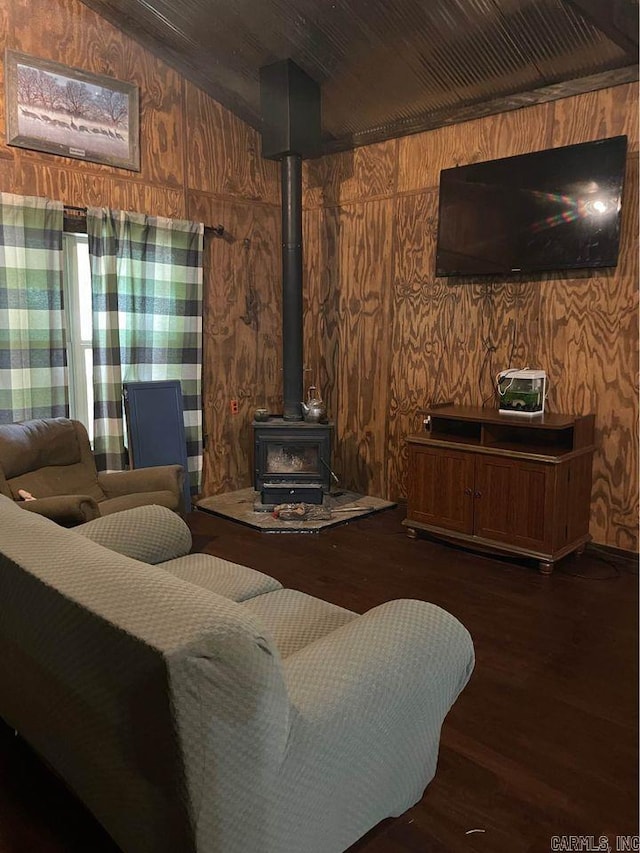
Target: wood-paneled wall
<point x="197" y="162"/>
<point x="384" y="337"/>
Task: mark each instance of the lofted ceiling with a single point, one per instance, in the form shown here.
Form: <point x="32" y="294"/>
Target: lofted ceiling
<point x="391" y="67"/>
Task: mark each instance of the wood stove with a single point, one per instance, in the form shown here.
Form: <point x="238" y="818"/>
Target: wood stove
<point x="292" y="457"/>
<point x="292" y="461"/>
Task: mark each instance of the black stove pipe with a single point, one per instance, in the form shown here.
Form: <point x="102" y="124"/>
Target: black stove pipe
<point x="292" y="335"/>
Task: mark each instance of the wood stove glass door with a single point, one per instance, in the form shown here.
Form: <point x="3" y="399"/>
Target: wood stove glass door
<point x="292" y="459"/>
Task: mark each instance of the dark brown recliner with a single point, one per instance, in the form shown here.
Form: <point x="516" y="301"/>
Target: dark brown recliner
<point x="51" y="458"/>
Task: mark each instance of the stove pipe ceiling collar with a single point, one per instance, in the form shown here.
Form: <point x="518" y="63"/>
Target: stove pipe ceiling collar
<point x="290" y="106"/>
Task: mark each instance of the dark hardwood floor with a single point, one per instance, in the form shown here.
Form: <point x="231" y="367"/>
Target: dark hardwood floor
<point x="543" y="741"/>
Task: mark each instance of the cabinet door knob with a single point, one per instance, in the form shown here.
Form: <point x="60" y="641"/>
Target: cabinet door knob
<point x="467" y="491"/>
<point x="477" y="494"/>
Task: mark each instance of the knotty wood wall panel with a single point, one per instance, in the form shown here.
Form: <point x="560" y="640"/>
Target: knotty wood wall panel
<point x="591" y="116"/>
<point x="226" y="153"/>
<point x="421" y="157"/>
<point x="357" y="267"/>
<point x="590" y="342"/>
<point x="595" y="348"/>
<point x="448" y="337"/>
<point x="321" y="304"/>
<point x="188" y="144"/>
<point x="366" y="172"/>
<point x="85" y="189"/>
<point x="242" y="334"/>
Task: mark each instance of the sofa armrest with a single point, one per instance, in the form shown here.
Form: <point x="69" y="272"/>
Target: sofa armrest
<point x="367" y="705"/>
<point x="403" y="656"/>
<point x="155" y="479"/>
<point x="151" y="534"/>
<point x="67" y="510"/>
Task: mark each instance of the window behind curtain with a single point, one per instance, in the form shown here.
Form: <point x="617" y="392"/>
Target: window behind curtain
<point x="77" y="295"/>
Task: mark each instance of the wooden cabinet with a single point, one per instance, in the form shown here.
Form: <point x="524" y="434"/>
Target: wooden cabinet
<point x="439" y="487"/>
<point x="502" y="482"/>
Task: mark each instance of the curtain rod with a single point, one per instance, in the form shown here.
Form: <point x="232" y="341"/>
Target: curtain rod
<point x="81" y="213"/>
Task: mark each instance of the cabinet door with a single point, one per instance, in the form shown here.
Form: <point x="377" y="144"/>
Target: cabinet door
<point x="514" y="502"/>
<point x="440" y="487"/>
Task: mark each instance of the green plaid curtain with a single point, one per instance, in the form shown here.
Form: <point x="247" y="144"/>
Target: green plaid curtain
<point x="146" y="279"/>
<point x="33" y="360"/>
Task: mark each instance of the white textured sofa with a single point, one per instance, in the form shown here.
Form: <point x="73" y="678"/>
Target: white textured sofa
<point x="195" y="705"/>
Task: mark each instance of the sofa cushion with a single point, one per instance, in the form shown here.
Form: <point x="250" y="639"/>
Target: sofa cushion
<point x="220" y="576"/>
<point x="150" y="533"/>
<point x="294" y="619"/>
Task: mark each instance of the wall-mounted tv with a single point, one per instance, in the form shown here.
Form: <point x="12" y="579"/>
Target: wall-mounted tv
<point x="549" y="210"/>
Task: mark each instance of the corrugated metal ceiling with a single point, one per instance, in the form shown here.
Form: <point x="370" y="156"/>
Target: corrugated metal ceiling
<point x="388" y="68"/>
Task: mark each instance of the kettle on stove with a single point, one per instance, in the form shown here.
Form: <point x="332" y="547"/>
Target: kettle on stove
<point x="314" y="410"/>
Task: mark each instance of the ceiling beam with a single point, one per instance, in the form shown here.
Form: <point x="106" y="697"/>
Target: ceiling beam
<point x="616" y="19"/>
<point x="457" y="115"/>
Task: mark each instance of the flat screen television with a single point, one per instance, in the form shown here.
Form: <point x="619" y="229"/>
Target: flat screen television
<point x="549" y="210"/>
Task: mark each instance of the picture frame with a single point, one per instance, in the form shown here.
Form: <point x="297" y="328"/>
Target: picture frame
<point x="61" y="110"/>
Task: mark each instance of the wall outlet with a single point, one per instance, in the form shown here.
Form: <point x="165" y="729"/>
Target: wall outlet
<point x="234" y="407"/>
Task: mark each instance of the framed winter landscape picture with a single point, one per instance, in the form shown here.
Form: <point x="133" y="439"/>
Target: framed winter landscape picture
<point x="67" y="111"/>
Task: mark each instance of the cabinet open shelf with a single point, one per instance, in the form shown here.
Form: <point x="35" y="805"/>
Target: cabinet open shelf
<point x="451" y="429"/>
<point x="551" y="433"/>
